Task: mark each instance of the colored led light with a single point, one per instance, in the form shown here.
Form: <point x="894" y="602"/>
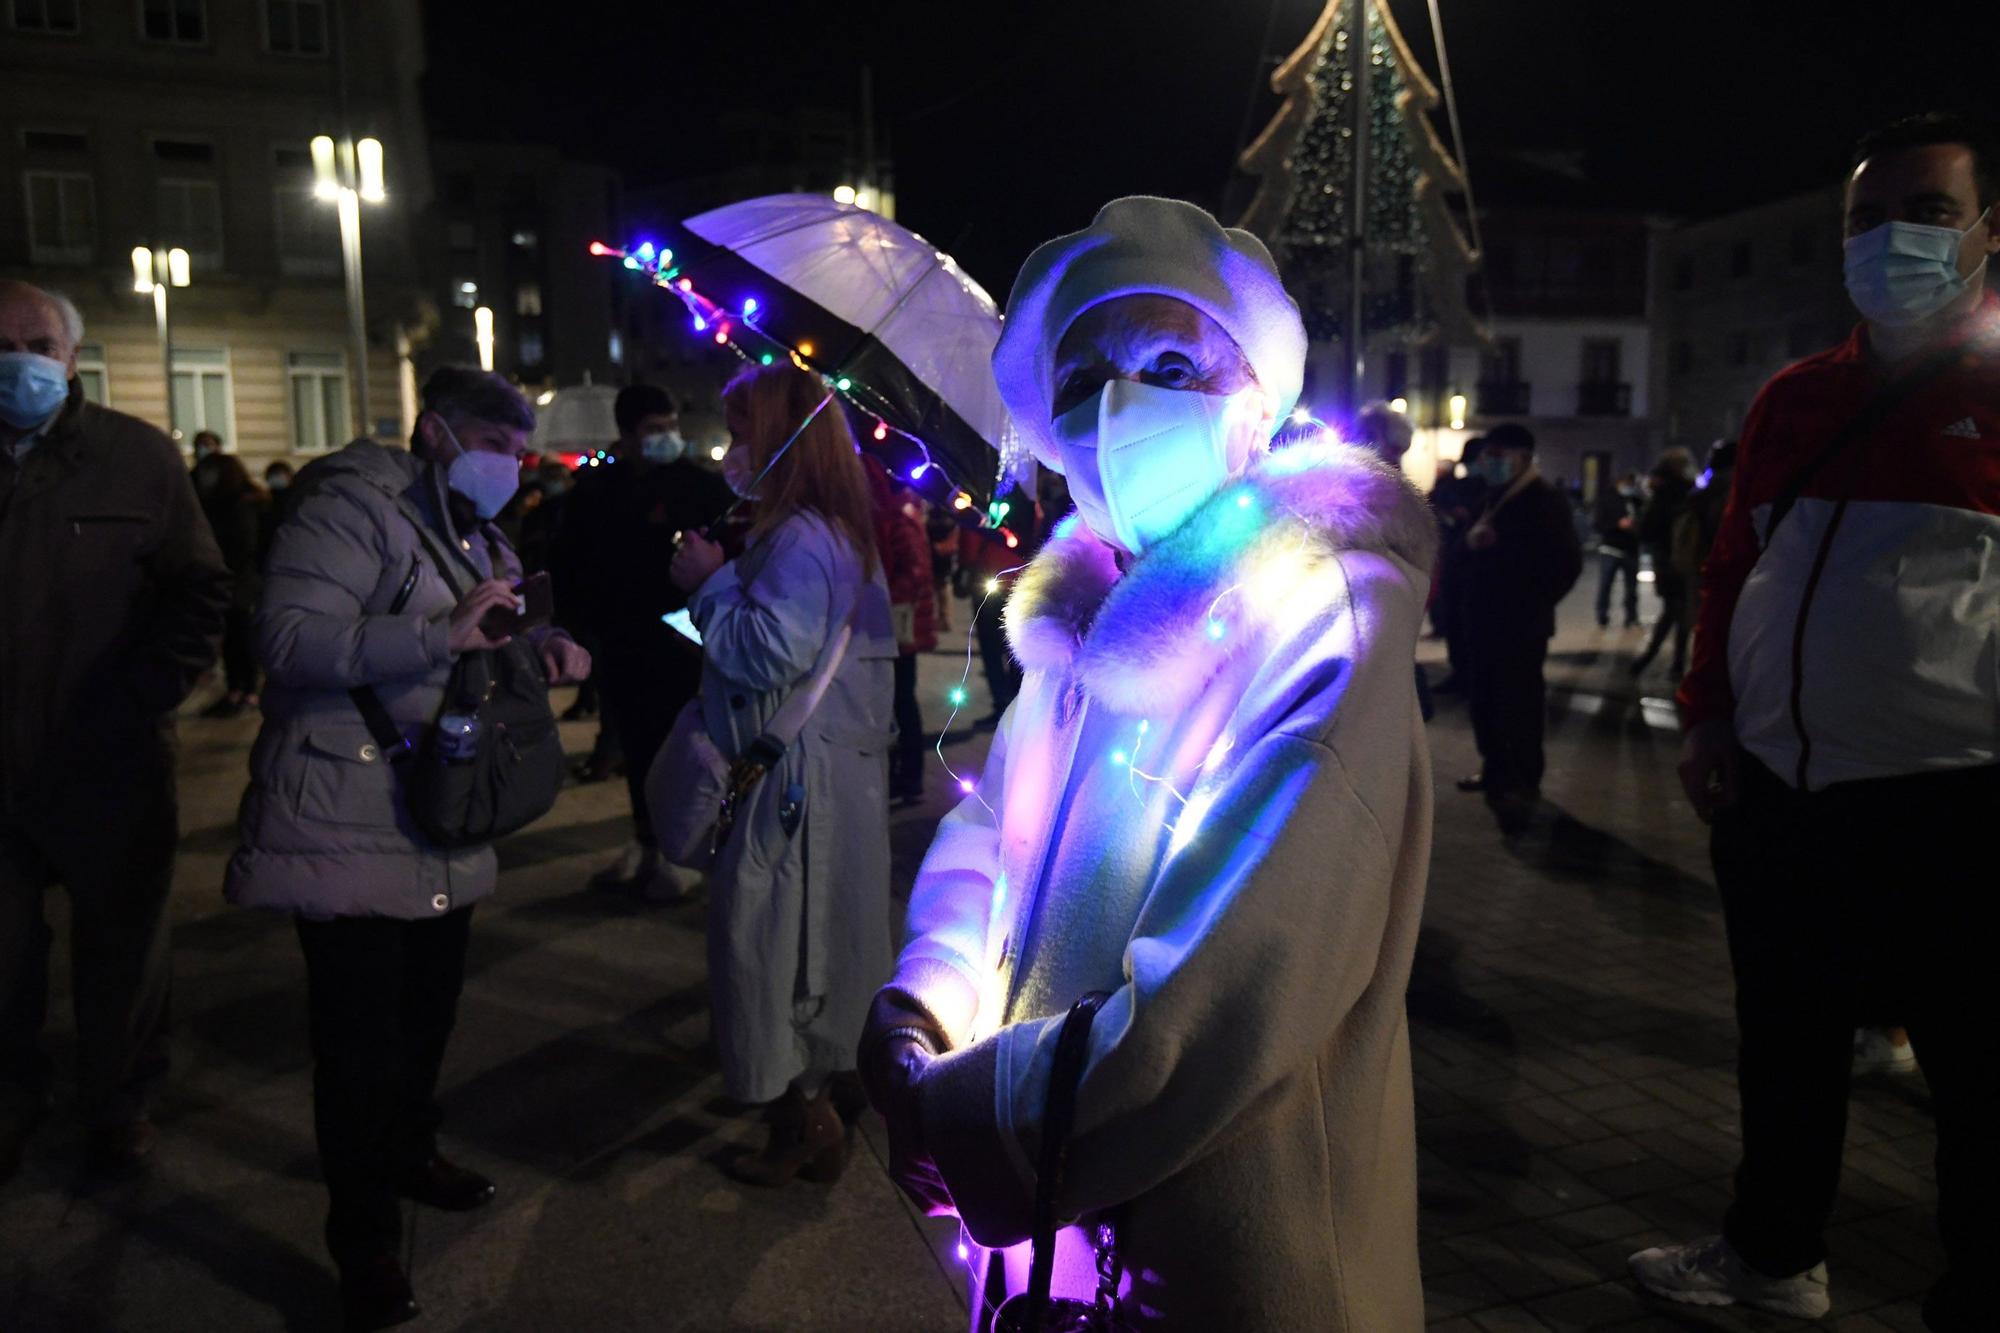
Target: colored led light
<point x="722" y="335"/>
<point x="843" y="384"/>
<point x="805" y="349"/>
<point x="749" y="306"/>
<point x="992" y="586"/>
<point x="961" y="501"/>
<point x="1243" y="500"/>
<point x="600" y="249"/>
<point x="1216" y="629"/>
<point x="1120" y="758"/>
<point x="764" y="360"/>
<point x="881" y="431"/>
<point x="965" y="785"/>
<point x="645" y="251"/>
<point x="631" y="262"/>
<point x="917" y="472"/>
<point x="700" y="324"/>
<point x="957" y="696"/>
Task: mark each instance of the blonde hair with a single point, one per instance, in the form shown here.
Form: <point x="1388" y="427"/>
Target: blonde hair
<point x="821" y="472"/>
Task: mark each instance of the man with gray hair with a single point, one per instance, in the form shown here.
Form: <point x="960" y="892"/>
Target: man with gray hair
<point x="115" y="598"/>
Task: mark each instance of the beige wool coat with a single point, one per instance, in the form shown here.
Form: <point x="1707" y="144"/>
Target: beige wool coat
<point x="1213" y="801"/>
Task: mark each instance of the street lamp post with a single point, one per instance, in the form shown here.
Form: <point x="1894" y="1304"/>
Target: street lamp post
<point x="153" y="271"/>
<point x="348" y="173"/>
<point x="482" y="333"/>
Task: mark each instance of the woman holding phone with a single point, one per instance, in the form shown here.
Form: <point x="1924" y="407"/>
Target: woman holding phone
<point x="799" y="929"/>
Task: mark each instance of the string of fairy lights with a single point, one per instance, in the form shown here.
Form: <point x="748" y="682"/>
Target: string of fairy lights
<point x="737" y="329"/>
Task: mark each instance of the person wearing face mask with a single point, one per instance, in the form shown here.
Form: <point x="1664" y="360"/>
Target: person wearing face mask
<point x="1211" y="801"/>
<point x="114" y="602"/>
<point x="615" y="540"/>
<point x="1522" y="556"/>
<point x="1840" y="730"/>
<point x="382" y="576"/>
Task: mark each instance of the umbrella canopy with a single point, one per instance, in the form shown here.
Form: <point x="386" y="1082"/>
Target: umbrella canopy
<point x="875" y="307"/>
<point x="577" y="420"/>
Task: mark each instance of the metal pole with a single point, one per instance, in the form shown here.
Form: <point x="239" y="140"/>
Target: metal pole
<point x="160" y="320"/>
<point x="1358" y="211"/>
<point x="357" y="318"/>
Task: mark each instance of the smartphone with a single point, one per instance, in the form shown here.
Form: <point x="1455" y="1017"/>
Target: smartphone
<point x="683" y="622"/>
<point x="534" y="607"/>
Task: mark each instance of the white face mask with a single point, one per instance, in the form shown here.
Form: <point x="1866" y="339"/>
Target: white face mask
<point x="1141" y="459"/>
<point x="483" y="477"/>
<point x="1902" y="273"/>
<point x="663" y="446"/>
<point x="737" y="471"/>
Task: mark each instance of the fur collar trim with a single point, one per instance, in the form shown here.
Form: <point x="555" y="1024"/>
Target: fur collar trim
<point x="1252" y="558"/>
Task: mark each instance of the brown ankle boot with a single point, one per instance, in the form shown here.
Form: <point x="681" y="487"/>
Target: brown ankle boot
<point x="807" y="1139"/>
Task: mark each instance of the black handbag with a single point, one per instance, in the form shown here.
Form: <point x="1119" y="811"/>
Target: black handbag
<point x="499" y="774"/>
<point x="1035" y="1310"/>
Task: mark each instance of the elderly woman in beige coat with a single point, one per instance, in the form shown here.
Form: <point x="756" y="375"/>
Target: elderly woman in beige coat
<point x="1211" y="802"/>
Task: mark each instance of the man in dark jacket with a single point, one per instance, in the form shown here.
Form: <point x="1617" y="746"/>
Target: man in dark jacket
<point x="1521" y="556"/>
<point x="1615" y="520"/>
<point x="115" y="599"/>
<point x="609" y="561"/>
<point x="1671" y="487"/>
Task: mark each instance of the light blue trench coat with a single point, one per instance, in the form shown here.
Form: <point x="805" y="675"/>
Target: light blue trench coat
<point x="799" y="931"/>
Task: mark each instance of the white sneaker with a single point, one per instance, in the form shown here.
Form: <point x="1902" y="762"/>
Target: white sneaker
<point x="634" y="866"/>
<point x="1874" y="1053"/>
<point x="671" y="883"/>
<point x="1710" y="1272"/>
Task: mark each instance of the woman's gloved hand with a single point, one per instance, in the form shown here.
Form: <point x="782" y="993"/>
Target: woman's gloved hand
<point x="897" y="1046"/>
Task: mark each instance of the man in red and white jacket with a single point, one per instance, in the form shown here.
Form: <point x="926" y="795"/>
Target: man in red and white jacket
<point x="1843" y="730"/>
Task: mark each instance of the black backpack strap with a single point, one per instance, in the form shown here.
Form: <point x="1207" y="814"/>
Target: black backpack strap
<point x="1877" y="409"/>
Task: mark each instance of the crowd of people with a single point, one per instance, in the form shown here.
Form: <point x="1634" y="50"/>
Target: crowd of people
<point x="1153" y="971"/>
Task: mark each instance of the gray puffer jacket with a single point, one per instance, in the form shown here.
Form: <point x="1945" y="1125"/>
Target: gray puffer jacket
<point x="352" y="598"/>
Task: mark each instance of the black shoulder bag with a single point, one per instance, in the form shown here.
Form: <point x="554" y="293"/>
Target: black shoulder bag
<point x="500" y="768"/>
<point x="1035" y="1310"/>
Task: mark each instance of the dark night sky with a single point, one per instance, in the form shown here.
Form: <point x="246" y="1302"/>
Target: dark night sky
<point x="1010" y="123"/>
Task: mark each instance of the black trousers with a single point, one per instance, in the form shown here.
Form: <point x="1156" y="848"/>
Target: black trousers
<point x="906" y="761"/>
<point x="1675" y="618"/>
<point x="1611" y="568"/>
<point x="1864" y="903"/>
<point x="1509" y="704"/>
<point x="1003" y="677"/>
<point x="239" y="651"/>
<point x="643" y="694"/>
<point x="383" y="995"/>
<point x="118" y="874"/>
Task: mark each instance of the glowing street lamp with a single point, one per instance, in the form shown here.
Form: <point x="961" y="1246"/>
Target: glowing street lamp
<point x="482" y="333"/>
<point x="348" y="173"/>
<point x="844" y="194"/>
<point x="153" y="272"/>
<point x="1457" y="405"/>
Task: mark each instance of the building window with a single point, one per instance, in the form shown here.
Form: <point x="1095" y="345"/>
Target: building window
<point x="181" y="21"/>
<point x="1681" y="359"/>
<point x="525" y="238"/>
<point x="1603" y="360"/>
<point x="319" y="400"/>
<point x="528" y="299"/>
<point x="47" y="16"/>
<point x="190" y="215"/>
<point x="1684" y="273"/>
<point x="1503" y="362"/>
<point x="308" y="226"/>
<point x="1739" y="349"/>
<point x="62" y="217"/>
<point x="465" y="293"/>
<point x="1802" y="247"/>
<point x="1739" y="260"/>
<point x="295" y="27"/>
<point x="93" y="374"/>
<point x="531" y="350"/>
<point x="203" y="399"/>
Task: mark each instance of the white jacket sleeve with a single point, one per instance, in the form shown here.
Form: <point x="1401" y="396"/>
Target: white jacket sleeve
<point x="1254" y="943"/>
<point x="766" y="633"/>
<point x="952" y="906"/>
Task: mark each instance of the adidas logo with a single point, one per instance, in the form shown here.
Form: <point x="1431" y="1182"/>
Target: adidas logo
<point x="1965" y="428"/>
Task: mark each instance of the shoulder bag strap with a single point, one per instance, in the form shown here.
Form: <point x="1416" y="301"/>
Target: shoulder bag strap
<point x="1058" y="1117"/>
<point x="1887" y="399"/>
<point x="797" y="709"/>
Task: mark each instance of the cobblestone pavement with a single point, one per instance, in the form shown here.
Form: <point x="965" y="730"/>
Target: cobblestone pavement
<point x="1573" y="1049"/>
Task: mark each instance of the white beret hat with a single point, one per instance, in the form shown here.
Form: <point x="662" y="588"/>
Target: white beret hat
<point x="1136" y="245"/>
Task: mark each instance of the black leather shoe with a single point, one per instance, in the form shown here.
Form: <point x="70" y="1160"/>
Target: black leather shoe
<point x="375" y="1293"/>
<point x="443" y="1184"/>
<point x="1477" y="782"/>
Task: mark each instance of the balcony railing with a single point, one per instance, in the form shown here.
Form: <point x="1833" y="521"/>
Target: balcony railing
<point x="1503" y="398"/>
<point x="1604" y="400"/>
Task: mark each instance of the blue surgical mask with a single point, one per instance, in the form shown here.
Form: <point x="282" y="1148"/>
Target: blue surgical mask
<point x="1902" y="273"/>
<point x="1140" y="459"/>
<point x="663" y="446"/>
<point x="33" y="388"/>
<point x="483" y="477"/>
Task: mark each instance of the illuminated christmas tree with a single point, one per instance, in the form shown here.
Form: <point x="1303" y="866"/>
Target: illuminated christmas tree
<point x="1416" y="256"/>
